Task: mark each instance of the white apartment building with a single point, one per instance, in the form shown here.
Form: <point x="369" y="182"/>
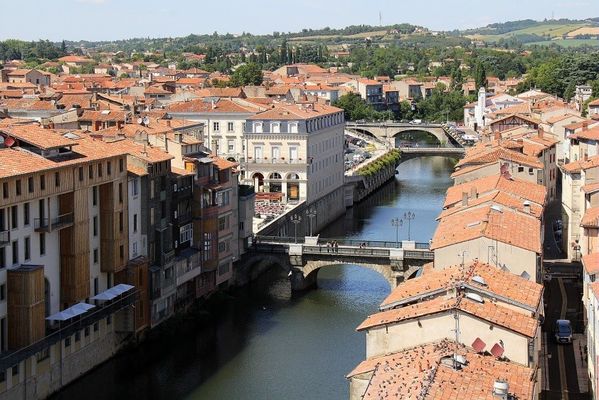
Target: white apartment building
<point x="296" y="150"/>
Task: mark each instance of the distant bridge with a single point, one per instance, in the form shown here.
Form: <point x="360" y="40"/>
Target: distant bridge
<point x="407" y="153"/>
<point x="396" y="261"/>
<point x="388" y="131"/>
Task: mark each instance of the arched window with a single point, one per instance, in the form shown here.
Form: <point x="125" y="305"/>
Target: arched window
<point x="275" y="175"/>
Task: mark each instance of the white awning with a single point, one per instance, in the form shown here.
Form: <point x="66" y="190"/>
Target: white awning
<point x="73" y="311"/>
<point x="112" y="292"/>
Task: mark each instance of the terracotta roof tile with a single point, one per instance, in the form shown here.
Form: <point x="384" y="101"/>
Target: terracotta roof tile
<point x="590" y="219"/>
<point x="590" y="262"/>
<point x="420" y="373"/>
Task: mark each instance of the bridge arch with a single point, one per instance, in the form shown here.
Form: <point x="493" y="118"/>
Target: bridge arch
<point x="430" y="137"/>
<point x="255" y="264"/>
<point x="311" y="268"/>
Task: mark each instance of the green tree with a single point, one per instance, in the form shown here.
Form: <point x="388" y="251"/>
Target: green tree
<point x="480" y="75"/>
<point x="248" y="74"/>
<point x="284" y="56"/>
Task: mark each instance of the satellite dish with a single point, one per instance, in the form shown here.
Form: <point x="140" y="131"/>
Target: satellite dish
<point x="146" y="120"/>
<point x="139" y="121"/>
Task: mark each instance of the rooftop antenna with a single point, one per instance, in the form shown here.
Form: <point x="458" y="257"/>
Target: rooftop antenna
<point x="380" y="18"/>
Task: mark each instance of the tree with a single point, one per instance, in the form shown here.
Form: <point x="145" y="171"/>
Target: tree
<point x="248" y="74"/>
<point x="570" y="90"/>
<point x="480" y="76"/>
<point x="284" y="57"/>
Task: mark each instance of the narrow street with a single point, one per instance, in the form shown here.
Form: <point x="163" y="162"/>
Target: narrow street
<point x="564" y="368"/>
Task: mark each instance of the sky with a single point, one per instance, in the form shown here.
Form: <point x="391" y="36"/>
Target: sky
<point x="122" y="19"/>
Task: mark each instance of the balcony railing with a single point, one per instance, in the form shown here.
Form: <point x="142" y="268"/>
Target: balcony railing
<point x="50" y="224"/>
<point x="275" y="161"/>
<point x="4" y="238"/>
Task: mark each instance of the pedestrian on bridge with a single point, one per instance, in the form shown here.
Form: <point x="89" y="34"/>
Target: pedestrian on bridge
<point x="328" y="247"/>
<point x="336" y="246"/>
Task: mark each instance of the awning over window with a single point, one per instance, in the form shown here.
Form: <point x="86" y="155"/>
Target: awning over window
<point x="73" y="311"/>
<point x="113" y="292"/>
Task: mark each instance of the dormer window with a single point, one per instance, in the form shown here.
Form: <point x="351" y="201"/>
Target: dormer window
<point x="275" y="127"/>
<point x="293" y="127"/>
<point x="258" y="127"/>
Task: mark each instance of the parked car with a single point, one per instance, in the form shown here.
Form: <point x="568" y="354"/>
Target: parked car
<point x="416" y="121"/>
<point x="563" y="331"/>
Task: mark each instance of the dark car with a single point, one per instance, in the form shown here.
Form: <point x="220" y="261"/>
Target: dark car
<point x="563" y="331"/>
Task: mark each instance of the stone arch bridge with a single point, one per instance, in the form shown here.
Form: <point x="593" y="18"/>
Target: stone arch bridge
<point x="388" y="131"/>
<point x="394" y="261"/>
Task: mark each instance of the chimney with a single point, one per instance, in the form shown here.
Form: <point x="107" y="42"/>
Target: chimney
<point x="464" y="199"/>
<point x="526" y="205"/>
<point x="585" y="126"/>
<point x="501" y="389"/>
<point x="473" y="192"/>
<point x="541" y="132"/>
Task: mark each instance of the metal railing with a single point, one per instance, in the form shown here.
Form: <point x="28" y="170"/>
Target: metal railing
<point x="12" y="358"/>
<point x="4" y="238"/>
<point x="49" y="224"/>
<point x="275" y="161"/>
<point x="419" y="255"/>
<point x="346" y="251"/>
<point x="279" y="240"/>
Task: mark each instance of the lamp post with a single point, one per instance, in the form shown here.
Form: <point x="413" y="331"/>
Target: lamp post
<point x="409" y="216"/>
<point x="311" y="214"/>
<point x="397" y="223"/>
<point x="463" y="254"/>
<point x="296" y="219"/>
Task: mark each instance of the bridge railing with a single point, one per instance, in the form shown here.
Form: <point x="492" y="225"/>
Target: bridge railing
<point x="346" y="251"/>
<point x="277" y="240"/>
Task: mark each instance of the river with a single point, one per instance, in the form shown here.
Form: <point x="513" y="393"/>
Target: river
<point x="267" y="343"/>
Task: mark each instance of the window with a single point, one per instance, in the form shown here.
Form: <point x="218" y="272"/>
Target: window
<point x="134" y="222"/>
<point x="293" y="127"/>
<point x="2" y="258"/>
<point x="56" y="179"/>
<point x="14" y="223"/>
<point x="223" y="223"/>
<point x="95" y="285"/>
<point x="95" y="226"/>
<point x="91" y="172"/>
<point x="18" y="187"/>
<point x="135" y="187"/>
<point x="276" y="127"/>
<point x="121" y="222"/>
<point x="100" y="170"/>
<point x="80" y="174"/>
<point x="258" y="152"/>
<point x="530" y="171"/>
<point x="27" y="248"/>
<point x="109" y="320"/>
<point x="42" y="244"/>
<point x="186" y="233"/>
<point x="121" y="165"/>
<point x="231" y="146"/>
<point x="26" y="214"/>
<point x="120" y="192"/>
<point x="15" y="252"/>
<point x="109" y="168"/>
<point x="152" y="189"/>
<point x="95" y="196"/>
<point x="2" y="292"/>
<point x="67" y="342"/>
<point x="293" y="153"/>
<point x="520" y="169"/>
<point x="5" y="190"/>
<point x="15" y="370"/>
<point x="134" y="249"/>
<point x="43" y="182"/>
<point x="95" y="256"/>
<point x="86" y="331"/>
<point x="230" y="126"/>
<point x="258" y="127"/>
<point x="96" y="326"/>
<point x="122" y="252"/>
<point x="77" y="336"/>
<point x="276" y="152"/>
<point x="30" y="184"/>
<point x="216" y="126"/>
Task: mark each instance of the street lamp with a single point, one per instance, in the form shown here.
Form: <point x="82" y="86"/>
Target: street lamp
<point x="296" y="219"/>
<point x="463" y="254"/>
<point x="409" y="216"/>
<point x="311" y="214"/>
<point x="397" y="223"/>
